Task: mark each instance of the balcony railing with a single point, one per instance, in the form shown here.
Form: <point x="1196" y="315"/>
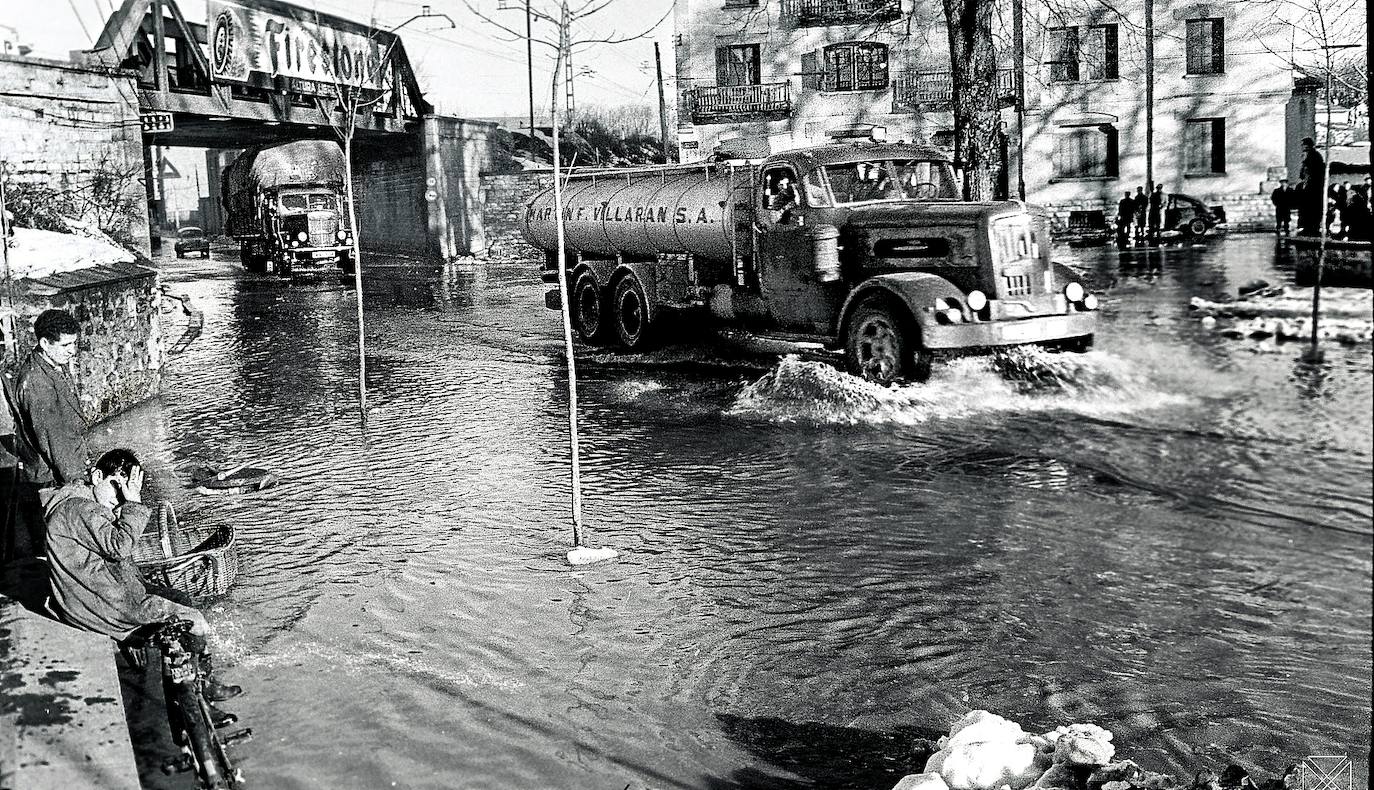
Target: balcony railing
<point x="816" y="13"/>
<point x="734" y="102"/>
<point x="914" y="91"/>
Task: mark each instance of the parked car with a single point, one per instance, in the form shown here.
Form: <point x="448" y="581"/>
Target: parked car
<point x="191" y="240"/>
<point x="1191" y="216"/>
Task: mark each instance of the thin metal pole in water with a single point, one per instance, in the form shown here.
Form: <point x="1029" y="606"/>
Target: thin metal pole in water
<point x="564" y="297"/>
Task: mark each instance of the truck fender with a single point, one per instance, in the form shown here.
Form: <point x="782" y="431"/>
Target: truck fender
<point x="1063" y="275"/>
<point x="916" y="290"/>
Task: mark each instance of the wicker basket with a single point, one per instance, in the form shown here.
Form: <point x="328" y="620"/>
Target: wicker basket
<point x="201" y="563"/>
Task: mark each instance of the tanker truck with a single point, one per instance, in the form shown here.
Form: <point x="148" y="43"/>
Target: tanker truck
<point x="865" y="247"/>
<point x="285" y="205"/>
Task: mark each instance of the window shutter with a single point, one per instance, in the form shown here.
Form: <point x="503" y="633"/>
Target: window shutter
<point x="1219" y="145"/>
<point x="1218" y="46"/>
<point x="1073" y="53"/>
<point x="722" y="66"/>
<point x="1110" y="67"/>
<point x="811" y="70"/>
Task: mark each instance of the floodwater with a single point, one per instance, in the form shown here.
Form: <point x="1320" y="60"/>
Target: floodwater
<point x="1169" y="536"/>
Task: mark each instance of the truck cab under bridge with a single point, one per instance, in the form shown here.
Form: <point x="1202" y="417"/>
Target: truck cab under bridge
<point x="263" y="71"/>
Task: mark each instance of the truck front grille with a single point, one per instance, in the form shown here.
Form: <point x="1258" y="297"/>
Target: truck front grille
<point x="1017" y="285"/>
<point x="322" y="230"/>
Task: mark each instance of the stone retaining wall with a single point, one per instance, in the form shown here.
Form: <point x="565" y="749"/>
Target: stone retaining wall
<point x="503" y="200"/>
<point x="121" y="357"/>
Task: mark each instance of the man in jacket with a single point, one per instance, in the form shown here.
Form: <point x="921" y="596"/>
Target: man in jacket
<point x="1282" y="207"/>
<point x="51" y="425"/>
<point x="92" y="528"/>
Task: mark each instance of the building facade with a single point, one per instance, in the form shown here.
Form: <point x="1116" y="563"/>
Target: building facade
<point x="757" y="76"/>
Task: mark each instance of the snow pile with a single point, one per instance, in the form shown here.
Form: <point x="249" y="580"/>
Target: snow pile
<point x="34" y="254"/>
<point x="984" y="751"/>
<point x="1284" y="313"/>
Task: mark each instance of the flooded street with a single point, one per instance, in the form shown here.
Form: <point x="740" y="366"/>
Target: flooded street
<point x="1169" y="536"/>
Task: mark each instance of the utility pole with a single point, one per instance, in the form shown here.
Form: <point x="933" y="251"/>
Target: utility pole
<point x="662" y="105"/>
<point x="572" y="105"/>
<point x="1150" y="98"/>
<point x="1019" y="53"/>
<point x="529" y="59"/>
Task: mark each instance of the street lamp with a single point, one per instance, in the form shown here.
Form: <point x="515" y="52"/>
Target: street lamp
<point x="425" y="13"/>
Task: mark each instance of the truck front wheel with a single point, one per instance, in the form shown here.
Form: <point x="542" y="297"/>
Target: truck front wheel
<point x="882" y="346"/>
<point x="588" y="309"/>
<point x="630" y="313"/>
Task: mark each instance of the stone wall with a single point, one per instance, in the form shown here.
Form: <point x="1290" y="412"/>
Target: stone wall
<point x="62" y="126"/>
<point x="503" y="201"/>
<point x="120" y="362"/>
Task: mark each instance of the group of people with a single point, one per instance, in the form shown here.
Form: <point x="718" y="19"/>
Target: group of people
<point x="81" y="515"/>
<point x="1138" y="216"/>
<point x="1347" y="206"/>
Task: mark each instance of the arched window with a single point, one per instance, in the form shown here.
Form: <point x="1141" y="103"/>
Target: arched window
<point x="856" y="66"/>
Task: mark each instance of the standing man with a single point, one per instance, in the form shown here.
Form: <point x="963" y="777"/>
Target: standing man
<point x="1125" y="213"/>
<point x="51" y="425"/>
<point x="1313" y="203"/>
<point x="1142" y="206"/>
<point x="1156" y="206"/>
<point x="1282" y="209"/>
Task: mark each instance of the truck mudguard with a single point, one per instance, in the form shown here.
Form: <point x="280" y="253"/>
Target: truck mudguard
<point x="917" y="290"/>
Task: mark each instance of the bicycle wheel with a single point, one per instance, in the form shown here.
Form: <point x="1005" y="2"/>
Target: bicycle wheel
<point x="202" y="741"/>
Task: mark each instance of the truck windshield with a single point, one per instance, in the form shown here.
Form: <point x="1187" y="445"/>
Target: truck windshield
<point x="891" y="180"/>
<point x="304" y="202"/>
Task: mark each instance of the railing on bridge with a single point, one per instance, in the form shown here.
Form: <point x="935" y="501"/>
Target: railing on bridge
<point x="721" y="103"/>
<point x="817" y="13"/>
<point x="933" y="91"/>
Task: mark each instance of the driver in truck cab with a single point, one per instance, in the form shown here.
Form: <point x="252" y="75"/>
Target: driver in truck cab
<point x="782" y="196"/>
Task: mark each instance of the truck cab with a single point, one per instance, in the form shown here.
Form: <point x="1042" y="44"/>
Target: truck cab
<point x="307" y="229"/>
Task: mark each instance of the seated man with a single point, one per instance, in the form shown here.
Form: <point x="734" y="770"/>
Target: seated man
<point x="92" y="529"/>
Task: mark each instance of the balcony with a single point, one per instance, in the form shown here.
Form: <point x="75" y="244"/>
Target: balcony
<point x="933" y="91"/>
<point x="725" y="103"/>
<point x="819" y="13"/>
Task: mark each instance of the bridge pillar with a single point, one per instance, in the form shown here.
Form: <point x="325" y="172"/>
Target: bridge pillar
<point x="422" y="196"/>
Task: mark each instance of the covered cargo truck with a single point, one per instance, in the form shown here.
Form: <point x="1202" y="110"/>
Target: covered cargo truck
<point x="286" y="206"/>
<point x="866" y="247"/>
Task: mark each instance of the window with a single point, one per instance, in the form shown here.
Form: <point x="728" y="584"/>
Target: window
<point x="1206" y="46"/>
<point x="1064" y="54"/>
<point x="1083" y="53"/>
<point x="1086" y="152"/>
<point x="737" y="65"/>
<point x="856" y="67"/>
<point x="1204" y="146"/>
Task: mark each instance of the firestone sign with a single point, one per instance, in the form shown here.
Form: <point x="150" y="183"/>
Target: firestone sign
<point x="246" y="40"/>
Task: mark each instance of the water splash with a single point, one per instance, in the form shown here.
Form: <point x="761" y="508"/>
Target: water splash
<point x="1012" y="380"/>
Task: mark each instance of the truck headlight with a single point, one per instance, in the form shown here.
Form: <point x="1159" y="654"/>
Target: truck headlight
<point x="1090" y="302"/>
<point x="302" y="237"/>
<point x="977" y="300"/>
<point x="1074" y="292"/>
<point x="341" y="236"/>
<point x="295" y="244"/>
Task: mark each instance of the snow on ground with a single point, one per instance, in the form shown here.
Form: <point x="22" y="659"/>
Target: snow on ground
<point x="34" y="254"/>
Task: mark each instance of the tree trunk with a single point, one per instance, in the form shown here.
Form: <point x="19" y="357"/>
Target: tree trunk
<point x="973" y="71"/>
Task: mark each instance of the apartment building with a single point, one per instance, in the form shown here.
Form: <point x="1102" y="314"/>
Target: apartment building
<point x="757" y="76"/>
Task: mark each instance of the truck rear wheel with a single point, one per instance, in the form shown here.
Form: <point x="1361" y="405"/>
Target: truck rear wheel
<point x="630" y="313"/>
<point x="882" y="344"/>
<point x="589" y="309"/>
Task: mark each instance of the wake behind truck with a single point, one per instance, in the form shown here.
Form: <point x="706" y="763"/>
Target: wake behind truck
<point x="865" y="247"/>
<point x="286" y="206"/>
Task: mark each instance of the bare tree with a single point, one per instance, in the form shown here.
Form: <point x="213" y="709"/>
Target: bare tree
<point x="564" y="46"/>
<point x="973" y="73"/>
<point x="1316" y="31"/>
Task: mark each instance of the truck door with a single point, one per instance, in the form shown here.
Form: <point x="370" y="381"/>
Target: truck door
<point x="797" y="299"/>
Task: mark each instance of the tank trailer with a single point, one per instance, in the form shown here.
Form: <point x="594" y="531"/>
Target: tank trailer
<point x="865" y="247"/>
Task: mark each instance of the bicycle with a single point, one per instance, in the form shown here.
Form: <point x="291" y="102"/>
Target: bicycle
<point x="189" y="714"/>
